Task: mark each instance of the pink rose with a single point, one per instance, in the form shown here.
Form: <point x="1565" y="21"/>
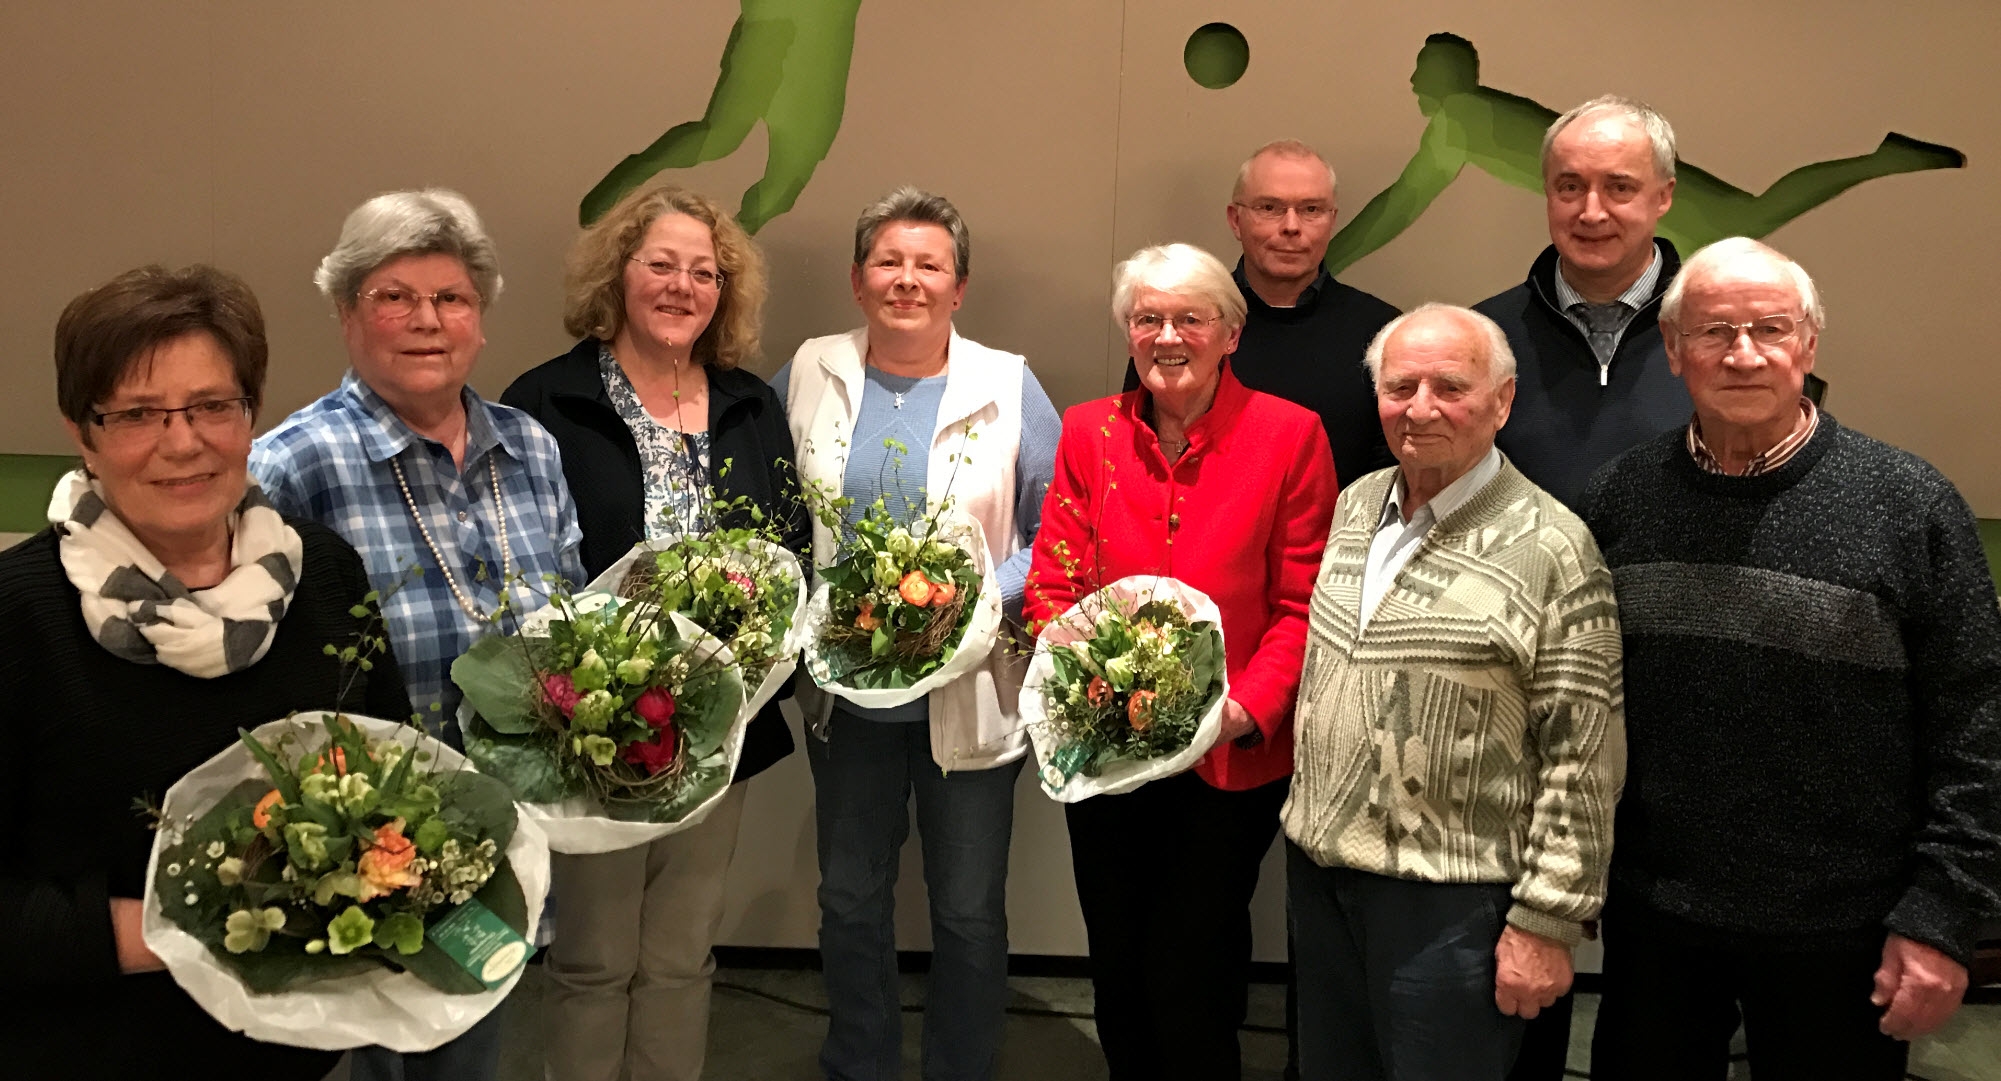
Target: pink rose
<point x="655" y="706"/>
<point x="655" y="754"/>
<point x="560" y="692"/>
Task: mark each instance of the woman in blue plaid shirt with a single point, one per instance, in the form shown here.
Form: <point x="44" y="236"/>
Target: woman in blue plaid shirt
<point x="416" y="470"/>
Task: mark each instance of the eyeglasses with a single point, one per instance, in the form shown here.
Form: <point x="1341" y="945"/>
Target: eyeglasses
<point x="702" y="277"/>
<point x="149" y="421"/>
<point x="1147" y="324"/>
<point x="1767" y="332"/>
<point x="396" y="302"/>
<point x="1273" y="210"/>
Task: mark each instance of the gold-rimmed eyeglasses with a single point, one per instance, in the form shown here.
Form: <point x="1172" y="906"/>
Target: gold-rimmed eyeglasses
<point x="1766" y="332"/>
<point x="397" y="302"/>
<point x="1147" y="324"/>
<point x="702" y="277"/>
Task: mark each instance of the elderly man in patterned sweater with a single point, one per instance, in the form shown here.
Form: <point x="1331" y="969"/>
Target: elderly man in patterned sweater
<point x="1459" y="734"/>
<point x="1813" y="664"/>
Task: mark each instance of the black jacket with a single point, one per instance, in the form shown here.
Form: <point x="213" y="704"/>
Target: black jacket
<point x="1565" y="425"/>
<point x="601" y="463"/>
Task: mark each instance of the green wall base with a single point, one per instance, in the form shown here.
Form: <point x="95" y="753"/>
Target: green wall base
<point x="25" y="483"/>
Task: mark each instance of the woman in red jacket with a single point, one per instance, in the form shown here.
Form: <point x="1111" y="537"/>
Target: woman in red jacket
<point x="1194" y="477"/>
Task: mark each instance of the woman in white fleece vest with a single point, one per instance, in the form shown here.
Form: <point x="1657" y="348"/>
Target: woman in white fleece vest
<point x="974" y="419"/>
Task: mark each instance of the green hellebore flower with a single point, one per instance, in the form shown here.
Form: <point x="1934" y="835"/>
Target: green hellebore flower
<point x="887" y="573"/>
<point x="230" y="871"/>
<point x="1119" y="672"/>
<point x="336" y="884"/>
<point x="356" y="795"/>
<point x="590" y="674"/>
<point x="635" y="669"/>
<point x="900" y="543"/>
<point x="248" y="930"/>
<point x="938" y="552"/>
<point x="402" y="932"/>
<point x="306" y="843"/>
<point x="350" y="930"/>
<point x="600" y="749"/>
<point x="594" y="711"/>
<point x="321" y="787"/>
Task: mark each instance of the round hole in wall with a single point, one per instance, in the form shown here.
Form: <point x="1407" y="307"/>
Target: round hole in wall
<point x="1216" y="55"/>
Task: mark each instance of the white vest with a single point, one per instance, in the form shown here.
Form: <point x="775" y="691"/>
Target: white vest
<point x="973" y="720"/>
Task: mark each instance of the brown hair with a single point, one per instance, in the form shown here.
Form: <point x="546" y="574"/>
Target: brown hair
<point x="594" y="273"/>
<point x="106" y="331"/>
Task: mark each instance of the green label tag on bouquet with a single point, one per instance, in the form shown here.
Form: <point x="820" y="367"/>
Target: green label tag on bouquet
<point x="1068" y="761"/>
<point x="481" y="943"/>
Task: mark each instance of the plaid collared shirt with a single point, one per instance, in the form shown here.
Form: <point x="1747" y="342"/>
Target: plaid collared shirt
<point x="1780" y="454"/>
<point x="331" y="462"/>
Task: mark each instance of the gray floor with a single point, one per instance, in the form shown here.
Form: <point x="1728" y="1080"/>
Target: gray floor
<point x="767" y="1026"/>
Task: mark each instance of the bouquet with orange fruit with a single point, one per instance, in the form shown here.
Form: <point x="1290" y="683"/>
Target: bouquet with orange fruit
<point x="903" y="609"/>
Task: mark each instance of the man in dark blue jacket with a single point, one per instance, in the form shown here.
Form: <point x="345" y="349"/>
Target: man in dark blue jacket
<point x="1584" y="326"/>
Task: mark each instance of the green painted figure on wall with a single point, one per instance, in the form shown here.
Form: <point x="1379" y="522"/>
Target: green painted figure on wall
<point x="1501" y="133"/>
<point x="786" y="63"/>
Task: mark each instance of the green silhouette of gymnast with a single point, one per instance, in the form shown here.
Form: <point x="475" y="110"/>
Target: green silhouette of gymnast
<point x="1502" y="134"/>
<point x="786" y="63"/>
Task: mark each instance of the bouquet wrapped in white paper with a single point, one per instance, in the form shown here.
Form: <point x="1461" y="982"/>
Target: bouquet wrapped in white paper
<point x="313" y="886"/>
<point x="1126" y="686"/>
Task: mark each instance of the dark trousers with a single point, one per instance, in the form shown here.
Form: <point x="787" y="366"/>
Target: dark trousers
<point x="1546" y="1043"/>
<point x="1672" y="1000"/>
<point x="1396" y="977"/>
<point x="1165" y="875"/>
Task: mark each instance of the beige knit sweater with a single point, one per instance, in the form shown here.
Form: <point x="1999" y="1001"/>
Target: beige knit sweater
<point x="1475" y="731"/>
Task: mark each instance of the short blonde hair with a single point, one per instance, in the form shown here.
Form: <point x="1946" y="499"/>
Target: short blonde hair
<point x="594" y="273"/>
<point x="1283" y="148"/>
<point x="1177" y="268"/>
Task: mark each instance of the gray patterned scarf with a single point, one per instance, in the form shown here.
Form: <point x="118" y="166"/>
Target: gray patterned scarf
<point x="139" y="611"/>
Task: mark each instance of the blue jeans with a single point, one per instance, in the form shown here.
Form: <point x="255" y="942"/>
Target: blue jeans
<point x="863" y="777"/>
<point x="474" y="1056"/>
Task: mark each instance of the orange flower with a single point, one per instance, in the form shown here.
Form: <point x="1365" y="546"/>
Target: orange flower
<point x="261" y="816"/>
<point x="868" y="620"/>
<point x="943" y="592"/>
<point x="340" y="761"/>
<point x="915" y="588"/>
<point x="386" y="864"/>
<point x="1098" y="692"/>
<point x="1139" y="710"/>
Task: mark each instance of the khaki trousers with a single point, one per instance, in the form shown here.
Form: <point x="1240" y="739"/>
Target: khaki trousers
<point x="630" y="966"/>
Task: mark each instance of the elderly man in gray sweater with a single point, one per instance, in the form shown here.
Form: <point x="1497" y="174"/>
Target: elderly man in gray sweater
<point x="1459" y="733"/>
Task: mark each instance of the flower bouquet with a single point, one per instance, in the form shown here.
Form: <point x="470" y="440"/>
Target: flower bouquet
<point x="338" y="881"/>
<point x="739" y="585"/>
<point x="614" y="720"/>
<point x="1125" y="687"/>
<point x="903" y="610"/>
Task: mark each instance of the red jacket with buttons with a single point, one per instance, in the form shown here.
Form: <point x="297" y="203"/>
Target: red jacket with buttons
<point x="1241" y="516"/>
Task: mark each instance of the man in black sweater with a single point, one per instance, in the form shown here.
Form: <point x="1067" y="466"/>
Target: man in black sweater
<point x="1593" y="376"/>
<point x="1811" y="827"/>
<point x="1305" y="333"/>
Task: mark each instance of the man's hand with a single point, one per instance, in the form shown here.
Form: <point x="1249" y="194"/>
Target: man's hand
<point x="1530" y="972"/>
<point x="1919" y="988"/>
<point x="129" y="939"/>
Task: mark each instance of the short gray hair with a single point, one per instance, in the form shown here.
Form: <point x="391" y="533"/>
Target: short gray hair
<point x="913" y="204"/>
<point x="1282" y="148"/>
<point x="1659" y="133"/>
<point x="399" y="223"/>
<point x="1715" y="258"/>
<point x="1500" y="358"/>
<point x="1177" y="268"/>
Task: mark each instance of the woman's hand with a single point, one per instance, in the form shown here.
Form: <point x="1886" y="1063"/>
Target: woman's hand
<point x="133" y="956"/>
<point x="1237" y="722"/>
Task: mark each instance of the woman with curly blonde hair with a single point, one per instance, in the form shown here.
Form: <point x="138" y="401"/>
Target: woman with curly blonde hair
<point x="666" y="292"/>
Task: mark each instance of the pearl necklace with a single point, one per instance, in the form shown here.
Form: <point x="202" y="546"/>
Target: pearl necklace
<point x="506" y="554"/>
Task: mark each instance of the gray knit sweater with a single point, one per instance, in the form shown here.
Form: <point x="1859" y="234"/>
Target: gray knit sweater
<point x="1813" y="695"/>
<point x="1473" y="731"/>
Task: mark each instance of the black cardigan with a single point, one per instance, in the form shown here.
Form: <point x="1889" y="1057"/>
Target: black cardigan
<point x="601" y="463"/>
<point x="86" y="735"/>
